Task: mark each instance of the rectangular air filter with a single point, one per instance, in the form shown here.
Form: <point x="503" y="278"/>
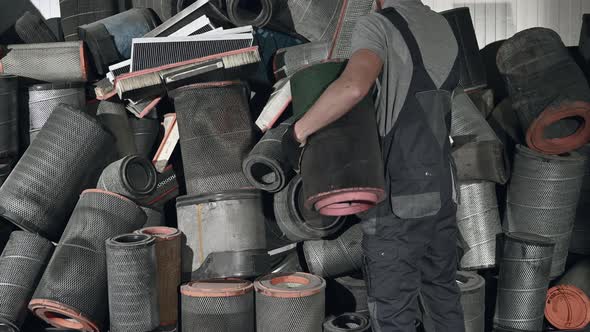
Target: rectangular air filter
<point x="180" y="20"/>
<point x="198" y="26"/>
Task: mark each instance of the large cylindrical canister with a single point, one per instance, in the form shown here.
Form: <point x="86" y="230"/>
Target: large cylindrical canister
<point x="473" y="294"/>
<point x="8" y="116"/>
<point x="73" y="291"/>
<point x="132" y="283"/>
<point x="348" y="322"/>
<point x="523" y="280"/>
<point x="164" y="9"/>
<point x="133" y="177"/>
<point x="32" y="28"/>
<point x="75" y="13"/>
<point x="579" y="243"/>
<point x="217" y="305"/>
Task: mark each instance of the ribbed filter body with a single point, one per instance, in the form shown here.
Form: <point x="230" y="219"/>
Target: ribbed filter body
<point x="133" y="176"/>
<point x="8" y="116"/>
<point x="478" y="220"/>
<point x="65" y="158"/>
<point x="523" y="281"/>
<point x="76" y="276"/>
<point x="132" y="283"/>
<point x="579" y="242"/>
<point x="33" y="28"/>
<point x="216" y="133"/>
<point x="334" y="258"/>
<point x="289" y="60"/>
<point x="75" y="13"/>
<point x="113" y="116"/>
<point x="21" y="265"/>
<point x="473" y="294"/>
<point x="542" y="198"/>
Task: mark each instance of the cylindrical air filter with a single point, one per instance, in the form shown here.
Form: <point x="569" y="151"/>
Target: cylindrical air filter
<point x="33" y="28"/>
<point x="579" y="242"/>
<point x="231" y="222"/>
<point x="266" y="166"/>
<point x="64" y="159"/>
<point x="145" y="133"/>
<point x="334" y="258"/>
<point x="258" y="18"/>
<point x="290" y="302"/>
<point x="216" y="133"/>
<point x="133" y="177"/>
<point x="348" y="322"/>
<point x="73" y="290"/>
<point x="478" y="220"/>
<point x="523" y="280"/>
<point x="168" y="244"/>
<point x="217" y="305"/>
<point x="542" y="198"/>
<point x="289" y="60"/>
<point x="568" y="305"/>
<point x="473" y="294"/>
<point x="348" y="294"/>
<point x="472" y="70"/>
<point x="21" y="265"/>
<point x="43" y="98"/>
<point x="113" y="116"/>
<point x="75" y="13"/>
<point x="164" y="9"/>
<point x="49" y="62"/>
<point x="9" y="116"/>
<point x="132" y="283"/>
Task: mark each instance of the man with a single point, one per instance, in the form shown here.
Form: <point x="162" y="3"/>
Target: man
<point x="410" y="239"/>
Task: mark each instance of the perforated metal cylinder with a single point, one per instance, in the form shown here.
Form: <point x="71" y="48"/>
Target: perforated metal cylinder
<point x="216" y="133"/>
<point x="473" y="295"/>
<point x="75" y="13"/>
<point x="165" y="9"/>
<point x="338" y="257"/>
<point x="9" y="143"/>
<point x="467" y="120"/>
<point x="64" y="159"/>
<point x="542" y="198"/>
<point x="289" y="60"/>
<point x="43" y="98"/>
<point x="113" y="116"/>
<point x="133" y="177"/>
<point x="579" y="243"/>
<point x="478" y="220"/>
<point x="290" y="302"/>
<point x="132" y="283"/>
<point x="33" y="28"/>
<point x="217" y="305"/>
<point x="523" y="281"/>
<point x="21" y="265"/>
<point x="49" y="62"/>
<point x="73" y="290"/>
<point x="350" y="321"/>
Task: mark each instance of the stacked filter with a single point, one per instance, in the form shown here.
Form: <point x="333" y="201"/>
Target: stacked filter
<point x="568" y="305"/>
<point x="21" y="265"/>
<point x="523" y="281"/>
<point x="288" y="61"/>
<point x="542" y="198"/>
<point x="33" y="28"/>
<point x="217" y="305"/>
<point x="9" y="145"/>
<point x="350" y="321"/>
<point x="75" y="13"/>
<point x="133" y="177"/>
<point x="73" y="290"/>
<point x="473" y="291"/>
<point x="579" y="242"/>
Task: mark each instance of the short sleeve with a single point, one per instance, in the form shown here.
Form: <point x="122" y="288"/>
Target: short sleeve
<point x="370" y="35"/>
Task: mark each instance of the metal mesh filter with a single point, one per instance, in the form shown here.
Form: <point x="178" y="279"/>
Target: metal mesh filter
<point x="9" y="143"/>
<point x="351" y="321"/>
<point x="164" y="9"/>
<point x="43" y="98"/>
<point x="579" y="242"/>
<point x="75" y="13"/>
<point x="289" y="60"/>
<point x="133" y="177"/>
<point x="339" y="257"/>
<point x="33" y="28"/>
<point x="74" y="284"/>
<point x="132" y="283"/>
<point x="473" y="294"/>
<point x="523" y="282"/>
<point x="50" y="62"/>
<point x="145" y="133"/>
<point x="478" y="220"/>
<point x="113" y="116"/>
<point x="290" y="302"/>
<point x="542" y="197"/>
<point x="351" y="293"/>
<point x="216" y="133"/>
<point x="468" y="121"/>
<point x="21" y="265"/>
<point x="217" y="305"/>
<point x="353" y="10"/>
<point x="65" y="158"/>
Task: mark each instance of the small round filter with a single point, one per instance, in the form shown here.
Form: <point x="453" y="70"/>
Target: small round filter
<point x="567" y="308"/>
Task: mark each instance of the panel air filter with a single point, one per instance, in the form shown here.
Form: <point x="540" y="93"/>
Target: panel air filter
<point x="133" y="177"/>
<point x="579" y="242"/>
<point x="350" y="321"/>
<point x="65" y="158"/>
<point x="342" y="41"/>
<point x="216" y="133"/>
<point x="473" y="294"/>
<point x="290" y="302"/>
<point x="50" y="62"/>
<point x="73" y="290"/>
<point x="113" y="116"/>
<point x="217" y="305"/>
<point x="349" y="293"/>
<point x="334" y="258"/>
<point x="185" y="17"/>
<point x="289" y="60"/>
<point x="230" y="222"/>
<point x="75" y="13"/>
<point x="167" y="189"/>
<point x="168" y="253"/>
<point x="164" y="9"/>
<point x="478" y="220"/>
<point x="145" y="134"/>
<point x="542" y="196"/>
<point x="523" y="280"/>
<point x="21" y="265"/>
<point x="568" y="306"/>
<point x="33" y="28"/>
<point x="43" y="99"/>
<point x="472" y="70"/>
<point x="132" y="283"/>
<point x="9" y="129"/>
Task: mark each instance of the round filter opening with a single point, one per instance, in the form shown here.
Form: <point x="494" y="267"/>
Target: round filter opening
<point x="349" y="321"/>
<point x="61" y="315"/>
<point x="131" y="238"/>
<point x="290" y="285"/>
<point x="63" y="320"/>
<point x="311" y="218"/>
<point x="160" y="232"/>
<point x="140" y="176"/>
<point x="263" y="173"/>
<point x="217" y="288"/>
<point x="290" y="282"/>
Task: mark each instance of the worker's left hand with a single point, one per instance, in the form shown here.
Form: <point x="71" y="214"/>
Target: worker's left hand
<point x="293" y="148"/>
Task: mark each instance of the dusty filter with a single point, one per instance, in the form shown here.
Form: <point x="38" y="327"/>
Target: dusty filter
<point x="63" y="160"/>
<point x="73" y="291"/>
<point x="133" y="177"/>
<point x="342" y="40"/>
<point x="8" y="116"/>
<point x="473" y="294"/>
<point x="217" y="305"/>
<point x="290" y="302"/>
<point x="21" y="265"/>
<point x="75" y="13"/>
<point x="568" y="305"/>
<point x="132" y="283"/>
<point x="523" y="282"/>
<point x="351" y="322"/>
<point x="33" y="28"/>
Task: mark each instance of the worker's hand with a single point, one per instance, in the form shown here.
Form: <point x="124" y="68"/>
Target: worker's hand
<point x="293" y="148"/>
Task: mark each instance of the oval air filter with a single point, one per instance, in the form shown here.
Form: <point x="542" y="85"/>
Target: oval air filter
<point x="217" y="305"/>
<point x="473" y="294"/>
<point x="132" y="283"/>
<point x="64" y="159"/>
<point x="290" y="302"/>
<point x="579" y="242"/>
<point x="133" y="177"/>
<point x="350" y="321"/>
<point x="9" y="116"/>
<point x="75" y="13"/>
<point x="73" y="291"/>
<point x="522" y="283"/>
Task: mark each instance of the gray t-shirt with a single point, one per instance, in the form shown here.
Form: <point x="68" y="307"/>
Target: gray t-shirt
<point x="435" y="39"/>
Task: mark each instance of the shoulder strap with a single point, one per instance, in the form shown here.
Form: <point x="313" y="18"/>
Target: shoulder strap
<point x="402" y="26"/>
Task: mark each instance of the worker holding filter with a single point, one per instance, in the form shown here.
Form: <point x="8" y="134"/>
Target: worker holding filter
<point x="409" y="239"/>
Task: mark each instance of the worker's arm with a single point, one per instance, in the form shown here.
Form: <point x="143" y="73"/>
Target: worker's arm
<point x="342" y="95"/>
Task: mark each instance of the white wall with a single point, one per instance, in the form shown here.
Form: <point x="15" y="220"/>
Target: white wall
<point x="49" y="8"/>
